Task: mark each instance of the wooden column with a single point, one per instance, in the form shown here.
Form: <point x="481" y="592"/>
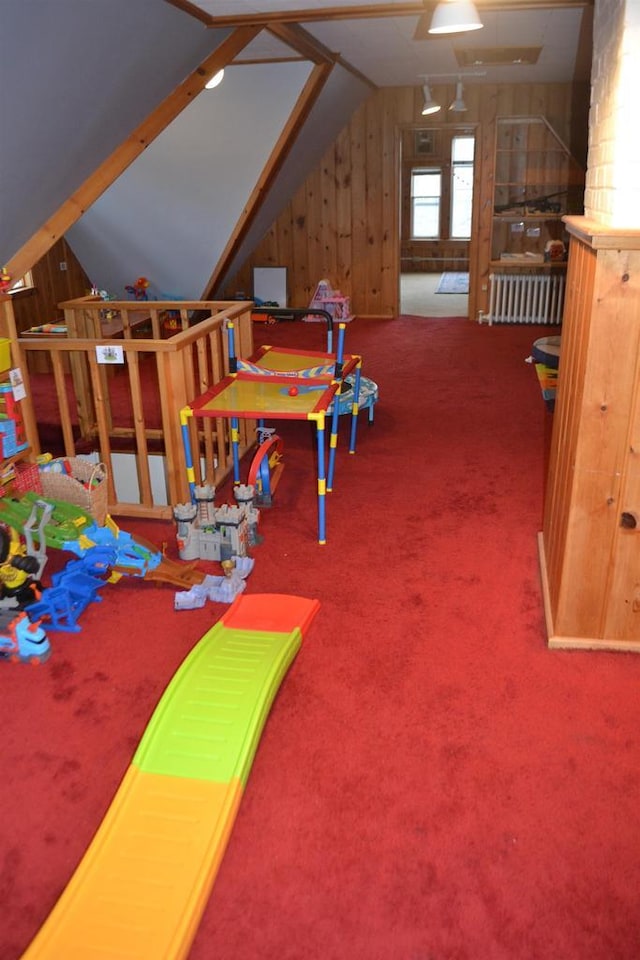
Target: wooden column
<point x="590" y="542"/>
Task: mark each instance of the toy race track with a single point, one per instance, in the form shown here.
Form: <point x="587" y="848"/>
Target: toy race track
<point x="141" y="888"/>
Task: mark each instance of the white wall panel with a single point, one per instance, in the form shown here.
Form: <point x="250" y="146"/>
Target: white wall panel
<point x="169" y="215"/>
<point x="77" y="77"/>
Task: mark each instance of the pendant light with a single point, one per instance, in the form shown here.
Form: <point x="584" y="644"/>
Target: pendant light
<point x="455" y="16"/>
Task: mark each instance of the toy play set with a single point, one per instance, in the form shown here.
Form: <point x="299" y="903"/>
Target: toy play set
<point x="135" y="893"/>
<point x="281" y="384"/>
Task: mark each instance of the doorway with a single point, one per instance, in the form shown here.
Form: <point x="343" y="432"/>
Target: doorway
<point x="436" y="204"/>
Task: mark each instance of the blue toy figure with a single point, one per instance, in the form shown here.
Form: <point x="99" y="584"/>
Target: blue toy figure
<point x="21" y="640"/>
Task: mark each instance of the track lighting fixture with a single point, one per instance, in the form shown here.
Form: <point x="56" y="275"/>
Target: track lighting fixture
<point x="430" y="105"/>
<point x="458" y="105"/>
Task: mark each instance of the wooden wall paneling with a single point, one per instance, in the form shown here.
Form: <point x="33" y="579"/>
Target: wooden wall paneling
<point x="480" y="246"/>
<point x="343" y="212"/>
<point x="51" y="286"/>
<point x="390" y="245"/>
<point x="327" y="200"/>
<point x="359" y="212"/>
<point x="317" y="265"/>
<point x="300" y="262"/>
<point x="353" y="222"/>
<point x="281" y="245"/>
<point x="376" y="222"/>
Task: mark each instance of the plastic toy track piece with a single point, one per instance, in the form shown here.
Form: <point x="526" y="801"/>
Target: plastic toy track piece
<point x="142" y="885"/>
<point x="279" y="613"/>
<point x="184" y="575"/>
<point x="203" y="726"/>
<point x="266" y="469"/>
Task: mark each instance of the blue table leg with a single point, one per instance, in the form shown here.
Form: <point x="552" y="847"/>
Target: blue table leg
<point x="235" y="440"/>
<point x="322" y="533"/>
<point x="185" y="413"/>
<point x="354" y="411"/>
<point x="333" y="439"/>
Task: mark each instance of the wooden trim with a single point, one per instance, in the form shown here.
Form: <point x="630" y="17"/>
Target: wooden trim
<point x="197" y="357"/>
<point x="315" y="15"/>
<point x="299" y="114"/>
<point x="599" y="236"/>
<point x="373" y="11"/>
<point x="260" y="61"/>
<point x="196" y="12"/>
<point x="122" y="157"/>
<point x="301" y="40"/>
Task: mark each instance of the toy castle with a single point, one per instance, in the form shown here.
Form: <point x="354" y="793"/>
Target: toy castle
<point x="207" y="532"/>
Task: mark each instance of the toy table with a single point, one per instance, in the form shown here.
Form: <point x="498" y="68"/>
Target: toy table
<point x="280" y="384"/>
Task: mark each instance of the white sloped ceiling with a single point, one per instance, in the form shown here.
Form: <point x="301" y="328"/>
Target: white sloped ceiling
<point x="169" y="215"/>
<point x="340" y="96"/>
<point x="77" y="77"/>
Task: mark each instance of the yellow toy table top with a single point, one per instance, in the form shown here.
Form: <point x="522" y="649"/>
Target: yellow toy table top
<point x="247" y="395"/>
<point x="276" y="382"/>
<point x="289" y="361"/>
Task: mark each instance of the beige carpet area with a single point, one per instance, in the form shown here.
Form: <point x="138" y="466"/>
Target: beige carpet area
<point x="418" y="297"/>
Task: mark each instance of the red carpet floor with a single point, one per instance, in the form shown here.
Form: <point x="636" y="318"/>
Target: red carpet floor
<point x="432" y="782"/>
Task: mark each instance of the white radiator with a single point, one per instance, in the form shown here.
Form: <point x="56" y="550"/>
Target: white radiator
<point x="525" y="298"/>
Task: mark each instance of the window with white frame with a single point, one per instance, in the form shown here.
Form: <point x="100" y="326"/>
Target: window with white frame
<point x="22" y="284"/>
<point x="426" y="193"/>
<point x="462" y="155"/>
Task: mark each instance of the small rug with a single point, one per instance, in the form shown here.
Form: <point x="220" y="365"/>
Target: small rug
<point x="453" y="283"/>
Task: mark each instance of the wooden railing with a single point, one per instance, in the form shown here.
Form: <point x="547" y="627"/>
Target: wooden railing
<point x="186" y="363"/>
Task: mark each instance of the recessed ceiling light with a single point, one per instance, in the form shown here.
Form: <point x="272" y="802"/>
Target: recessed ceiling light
<point x="497" y="56"/>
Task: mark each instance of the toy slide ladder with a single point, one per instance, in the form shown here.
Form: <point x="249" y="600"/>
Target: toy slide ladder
<point x="141" y="887"/>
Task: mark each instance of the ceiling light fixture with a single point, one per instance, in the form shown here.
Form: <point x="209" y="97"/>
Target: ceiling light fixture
<point x="215" y="81"/>
<point x="455" y="16"/>
<point x="458" y="105"/>
<point x="430" y="105"/>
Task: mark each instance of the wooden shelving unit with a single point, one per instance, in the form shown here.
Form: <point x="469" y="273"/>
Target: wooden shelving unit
<point x="537" y="182"/>
<point x="590" y="542"/>
<point x="8" y="330"/>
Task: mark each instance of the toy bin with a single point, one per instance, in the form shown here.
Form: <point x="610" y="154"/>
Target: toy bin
<point x="78" y="482"/>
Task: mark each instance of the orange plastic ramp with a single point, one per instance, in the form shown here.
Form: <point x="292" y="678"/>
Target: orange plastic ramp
<point x="139" y="891"/>
<point x="142" y="885"/>
<point x="275" y="612"/>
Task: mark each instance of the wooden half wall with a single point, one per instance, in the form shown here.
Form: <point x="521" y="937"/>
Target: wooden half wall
<point x="343" y="223"/>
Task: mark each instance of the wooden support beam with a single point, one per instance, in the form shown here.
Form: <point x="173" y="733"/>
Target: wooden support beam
<point x="80" y="201"/>
<point x="372" y="11"/>
<point x="307" y="46"/>
<point x="302" y="41"/>
<point x="194" y="11"/>
<point x="287" y="138"/>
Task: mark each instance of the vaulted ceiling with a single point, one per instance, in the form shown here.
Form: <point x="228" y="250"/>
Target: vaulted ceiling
<point x="389" y="43"/>
<point x="110" y="140"/>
